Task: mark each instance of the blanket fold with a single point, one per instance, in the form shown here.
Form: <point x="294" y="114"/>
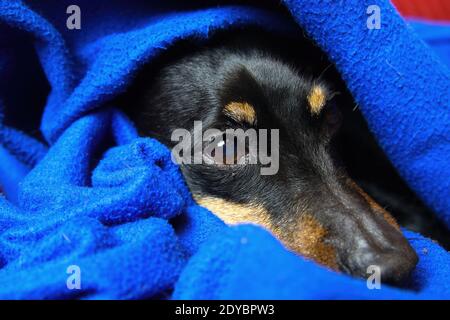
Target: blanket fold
<point x="81" y="188"/>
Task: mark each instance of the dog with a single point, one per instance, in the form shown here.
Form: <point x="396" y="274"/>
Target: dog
<point x="252" y="79"/>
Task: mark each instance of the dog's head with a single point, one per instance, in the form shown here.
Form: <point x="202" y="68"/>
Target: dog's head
<point x="308" y="201"/>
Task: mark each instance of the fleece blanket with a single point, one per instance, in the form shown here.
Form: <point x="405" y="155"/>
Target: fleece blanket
<point x="91" y="210"/>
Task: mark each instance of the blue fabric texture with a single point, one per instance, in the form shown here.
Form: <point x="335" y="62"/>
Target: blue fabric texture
<point x="84" y="189"/>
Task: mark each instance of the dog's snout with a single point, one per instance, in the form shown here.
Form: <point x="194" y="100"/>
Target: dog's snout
<point x="380" y="246"/>
<point x="392" y="265"/>
<point x="367" y="238"/>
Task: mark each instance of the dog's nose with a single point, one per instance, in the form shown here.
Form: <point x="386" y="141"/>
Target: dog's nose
<point x="370" y="244"/>
<point x="374" y="240"/>
<point x="392" y="265"/>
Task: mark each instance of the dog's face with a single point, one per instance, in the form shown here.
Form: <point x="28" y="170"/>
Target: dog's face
<point x="310" y="203"/>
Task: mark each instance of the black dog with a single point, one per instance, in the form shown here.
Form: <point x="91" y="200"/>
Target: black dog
<point x="253" y="80"/>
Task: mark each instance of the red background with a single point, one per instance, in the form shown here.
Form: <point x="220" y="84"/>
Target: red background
<point x="427" y="9"/>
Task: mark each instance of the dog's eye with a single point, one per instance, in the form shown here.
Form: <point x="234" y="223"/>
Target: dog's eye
<point x="229" y="151"/>
<point x="232" y="152"/>
<point x="226" y="150"/>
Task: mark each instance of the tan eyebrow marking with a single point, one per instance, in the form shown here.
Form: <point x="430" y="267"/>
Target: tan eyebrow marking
<point x="241" y="112"/>
<point x="317" y="99"/>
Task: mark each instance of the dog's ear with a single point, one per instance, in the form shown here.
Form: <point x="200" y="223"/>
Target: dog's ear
<point x="240" y="86"/>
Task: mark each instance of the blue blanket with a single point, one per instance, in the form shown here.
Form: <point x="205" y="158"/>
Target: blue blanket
<point x="82" y="189"/>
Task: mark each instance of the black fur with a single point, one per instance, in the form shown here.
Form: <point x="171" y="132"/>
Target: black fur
<point x="275" y="77"/>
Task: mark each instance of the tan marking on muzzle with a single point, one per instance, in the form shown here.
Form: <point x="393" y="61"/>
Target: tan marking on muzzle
<point x="305" y="236"/>
<point x="375" y="206"/>
<point x="235" y="213"/>
<point x="308" y="238"/>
